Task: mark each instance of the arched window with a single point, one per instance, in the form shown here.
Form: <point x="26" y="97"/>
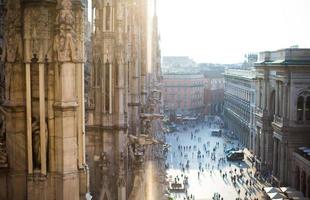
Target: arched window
<point x="300" y="108"/>
<point x="307" y="109"/>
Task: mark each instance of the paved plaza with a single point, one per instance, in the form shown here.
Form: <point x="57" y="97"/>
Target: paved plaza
<point x="205" y="176"/>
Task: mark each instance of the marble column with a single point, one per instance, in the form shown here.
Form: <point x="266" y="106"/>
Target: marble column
<point x="282" y="162"/>
<point x="285" y="105"/>
<point x="258" y="143"/>
<point x="280" y="99"/>
<point x="262" y="147"/>
<point x="278" y="158"/>
<point x="274" y="164"/>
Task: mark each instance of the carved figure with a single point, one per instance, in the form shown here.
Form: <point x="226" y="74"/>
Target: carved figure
<point x="64" y="43"/>
<point x="36" y="148"/>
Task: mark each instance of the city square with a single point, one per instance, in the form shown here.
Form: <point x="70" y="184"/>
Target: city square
<point x="154" y="100"/>
<point x="206" y="177"/>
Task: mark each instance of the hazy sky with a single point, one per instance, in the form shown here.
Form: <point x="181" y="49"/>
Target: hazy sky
<point x="224" y="30"/>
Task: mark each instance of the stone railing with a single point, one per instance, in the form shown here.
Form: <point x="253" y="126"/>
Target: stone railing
<point x="241" y="73"/>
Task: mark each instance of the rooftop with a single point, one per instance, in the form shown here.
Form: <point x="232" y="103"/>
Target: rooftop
<point x="290" y="56"/>
<point x="182" y="76"/>
<point x="241" y="73"/>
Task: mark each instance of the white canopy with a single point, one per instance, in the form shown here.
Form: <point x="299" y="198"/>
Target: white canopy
<point x="276" y="195"/>
<point x="287" y="189"/>
<point x="272" y="190"/>
<point x="281" y="199"/>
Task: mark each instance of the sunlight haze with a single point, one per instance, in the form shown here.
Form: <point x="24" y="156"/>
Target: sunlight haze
<point x="222" y="31"/>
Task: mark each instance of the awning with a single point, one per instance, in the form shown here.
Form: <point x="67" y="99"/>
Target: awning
<point x="272" y="190"/>
<point x="287" y="189"/>
<point x="276" y="195"/>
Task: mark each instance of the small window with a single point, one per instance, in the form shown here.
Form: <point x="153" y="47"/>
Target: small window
<point x="300" y="108"/>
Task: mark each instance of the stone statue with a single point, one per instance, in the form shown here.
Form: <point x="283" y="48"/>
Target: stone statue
<point x="64" y="43"/>
<point x="36" y="143"/>
<point x="148" y="127"/>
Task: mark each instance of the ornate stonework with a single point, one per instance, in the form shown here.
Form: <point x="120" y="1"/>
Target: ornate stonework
<point x="65" y="39"/>
<point x="13" y="41"/>
<point x="43" y="148"/>
<point x="43" y="130"/>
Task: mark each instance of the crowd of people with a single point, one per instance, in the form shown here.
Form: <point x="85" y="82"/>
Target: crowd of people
<point x="206" y="155"/>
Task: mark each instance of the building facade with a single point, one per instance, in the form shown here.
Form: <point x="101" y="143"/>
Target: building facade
<point x="183" y="93"/>
<point x="43" y="107"/>
<point x="177" y="64"/>
<point x="239" y="104"/>
<point x="213" y="93"/>
<point x="301" y="168"/>
<point x="123" y="129"/>
<point x="46" y="152"/>
<point x="282" y="111"/>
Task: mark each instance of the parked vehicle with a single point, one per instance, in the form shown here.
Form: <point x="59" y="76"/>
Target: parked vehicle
<point x="227" y="151"/>
<point x="235" y="156"/>
<point x="217" y="133"/>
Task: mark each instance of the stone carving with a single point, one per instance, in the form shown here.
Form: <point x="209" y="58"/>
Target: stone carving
<point x="35" y="30"/>
<point x="13" y="42"/>
<point x="64" y="43"/>
<point x="79" y="20"/>
<point x="36" y="148"/>
<point x="146" y="125"/>
<point x="121" y="182"/>
<point x="142" y="140"/>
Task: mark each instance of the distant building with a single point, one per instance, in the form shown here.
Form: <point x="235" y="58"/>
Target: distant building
<point x="239" y="101"/>
<point x="179" y="64"/>
<point x="183" y="93"/>
<point x="178" y="61"/>
<point x="213" y="93"/>
<point x="239" y="104"/>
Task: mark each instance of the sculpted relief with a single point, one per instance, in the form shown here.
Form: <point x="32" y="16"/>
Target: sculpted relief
<point x="64" y="43"/>
<point x="36" y="143"/>
<point x="13" y="42"/>
<point x="36" y="30"/>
